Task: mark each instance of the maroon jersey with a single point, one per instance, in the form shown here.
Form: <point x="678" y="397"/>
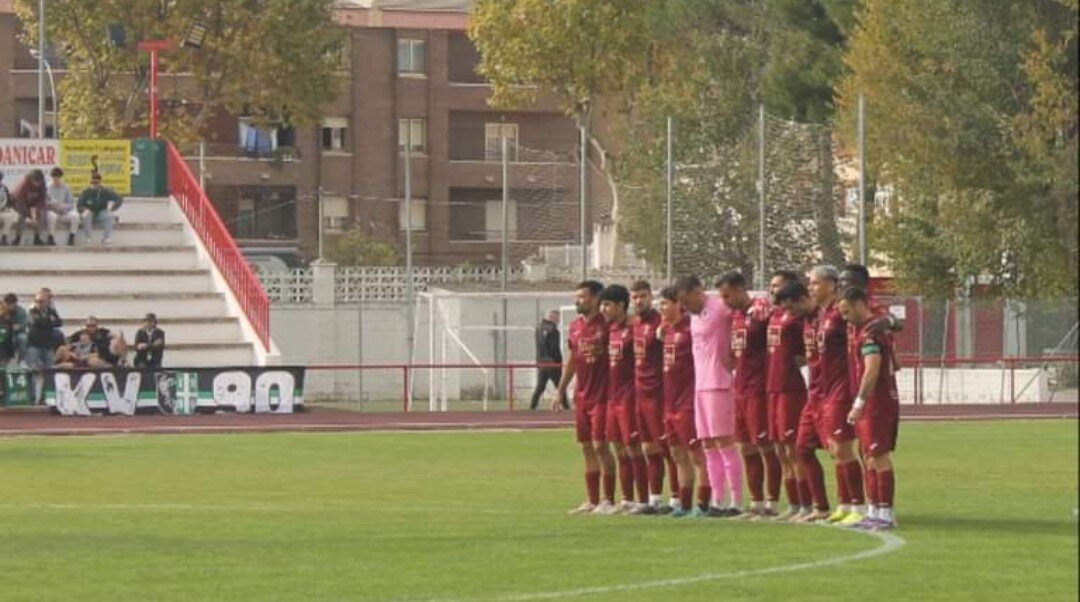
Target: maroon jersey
<point x="830" y="343"/>
<point x="678" y="366"/>
<point x="885" y="394"/>
<point x="785" y="343"/>
<point x="813" y="358"/>
<point x="588" y="342"/>
<point x="854" y="354"/>
<point x="620" y="363"/>
<point x="648" y="353"/>
<point x="748" y="343"/>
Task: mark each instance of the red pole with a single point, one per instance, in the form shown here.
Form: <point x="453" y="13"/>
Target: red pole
<point x="510" y="385"/>
<point x="153" y="93"/>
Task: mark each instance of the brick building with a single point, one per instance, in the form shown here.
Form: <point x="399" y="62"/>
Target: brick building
<point x="410" y="76"/>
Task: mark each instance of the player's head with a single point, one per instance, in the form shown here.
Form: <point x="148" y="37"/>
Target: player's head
<point x="641" y="296"/>
<point x="587" y="297"/>
<point x="691" y="293"/>
<point x="732" y="287"/>
<point x="795" y="298"/>
<point x="778" y="280"/>
<point x="854" y="305"/>
<point x="670" y="308"/>
<point x="824" y="280"/>
<point x="854" y="275"/>
<point x="614" y="302"/>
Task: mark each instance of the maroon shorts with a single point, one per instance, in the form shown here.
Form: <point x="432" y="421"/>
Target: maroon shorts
<point x="833" y="419"/>
<point x="679" y="426"/>
<point x="650" y="416"/>
<point x="752" y="418"/>
<point x="589" y="422"/>
<point x="622" y="424"/>
<point x="784" y="410"/>
<point x="811" y="433"/>
<point x="877" y="430"/>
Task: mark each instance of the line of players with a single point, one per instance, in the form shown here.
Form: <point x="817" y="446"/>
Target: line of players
<point x="689" y="388"/>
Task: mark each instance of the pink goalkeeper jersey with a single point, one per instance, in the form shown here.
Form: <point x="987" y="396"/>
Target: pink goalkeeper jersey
<point x="710" y="332"/>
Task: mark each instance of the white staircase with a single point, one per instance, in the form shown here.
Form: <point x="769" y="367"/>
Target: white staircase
<point x="152" y="265"/>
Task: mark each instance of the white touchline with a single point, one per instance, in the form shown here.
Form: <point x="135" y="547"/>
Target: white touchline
<point x="889" y="543"/>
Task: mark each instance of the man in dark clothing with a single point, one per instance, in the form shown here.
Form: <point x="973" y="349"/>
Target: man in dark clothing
<point x="41" y="342"/>
<point x="98" y="204"/>
<point x="18" y="318"/>
<point x="109" y="349"/>
<point x="149" y="344"/>
<point x="547" y="352"/>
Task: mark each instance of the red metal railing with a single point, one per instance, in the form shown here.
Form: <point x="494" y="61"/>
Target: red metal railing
<point x="219" y="243"/>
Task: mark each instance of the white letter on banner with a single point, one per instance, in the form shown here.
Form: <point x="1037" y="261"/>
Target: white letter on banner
<point x="285" y="384"/>
<point x="121" y="404"/>
<point x="233" y="388"/>
<point x="73" y="402"/>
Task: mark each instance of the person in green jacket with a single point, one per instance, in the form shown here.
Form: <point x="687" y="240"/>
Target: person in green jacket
<point x="94" y="207"/>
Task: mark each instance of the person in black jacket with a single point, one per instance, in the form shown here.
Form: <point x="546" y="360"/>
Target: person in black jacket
<point x="149" y="344"/>
<point x="41" y="342"/>
<point x="547" y="352"/>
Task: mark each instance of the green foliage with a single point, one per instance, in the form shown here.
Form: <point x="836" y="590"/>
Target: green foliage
<point x="272" y="60"/>
<point x="355" y="248"/>
<point x="971" y="113"/>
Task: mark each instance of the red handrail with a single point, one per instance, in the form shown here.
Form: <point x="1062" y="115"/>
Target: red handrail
<point x="219" y="243"/>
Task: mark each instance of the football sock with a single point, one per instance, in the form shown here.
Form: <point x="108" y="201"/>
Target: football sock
<point x="886" y="486"/>
<point x="672" y="471"/>
<point x="842" y="495"/>
<point x="791" y="486"/>
<point x="714" y="462"/>
<point x="704" y="494"/>
<point x="655" y="470"/>
<point x="815" y="480"/>
<point x="773" y="475"/>
<point x="626" y="477"/>
<point x="592" y="486"/>
<point x="641" y="480"/>
<point x="733" y="469"/>
<point x="755" y="476"/>
<point x="871" y="487"/>
<point x="609" y="487"/>
<point x="686" y="498"/>
<point x="805" y="499"/>
<point x="853" y="476"/>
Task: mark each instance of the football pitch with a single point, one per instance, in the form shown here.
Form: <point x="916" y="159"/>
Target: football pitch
<point x="987" y="511"/>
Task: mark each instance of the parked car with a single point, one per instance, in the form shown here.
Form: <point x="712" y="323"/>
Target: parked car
<point x="273" y="259"/>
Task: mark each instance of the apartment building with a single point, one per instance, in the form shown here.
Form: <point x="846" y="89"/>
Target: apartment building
<point x="410" y="80"/>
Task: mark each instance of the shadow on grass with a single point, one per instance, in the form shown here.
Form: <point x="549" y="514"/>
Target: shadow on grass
<point x="942" y="524"/>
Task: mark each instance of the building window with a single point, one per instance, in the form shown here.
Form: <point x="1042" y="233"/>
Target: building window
<point x="335" y="210"/>
<point x="419" y="215"/>
<point x="261" y="141"/>
<point x="335" y="134"/>
<point x="414" y="133"/>
<point x="493" y="225"/>
<point x="493" y="135"/>
<point x="412" y="56"/>
<point x="265" y="213"/>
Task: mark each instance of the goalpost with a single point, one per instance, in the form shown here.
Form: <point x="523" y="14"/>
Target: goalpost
<point x="473" y="335"/>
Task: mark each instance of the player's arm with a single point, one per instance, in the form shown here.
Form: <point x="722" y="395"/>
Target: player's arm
<point x="564" y="380"/>
<point x="871" y="367"/>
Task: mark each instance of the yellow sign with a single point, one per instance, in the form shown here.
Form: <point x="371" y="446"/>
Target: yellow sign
<point x="111" y="158"/>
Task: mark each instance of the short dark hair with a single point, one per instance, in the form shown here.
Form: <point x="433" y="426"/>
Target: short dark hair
<point x="859" y="270"/>
<point x="792" y="291"/>
<point x="641" y="285"/>
<point x="56" y="172"/>
<point x="685" y="284"/>
<point x="10" y="298"/>
<point x="151" y="317"/>
<point x="594" y="286"/>
<point x="787" y="275"/>
<point x="95" y="176"/>
<point x="735" y="279"/>
<point x="616" y="293"/>
<point x="670" y="293"/>
<point x="853" y="294"/>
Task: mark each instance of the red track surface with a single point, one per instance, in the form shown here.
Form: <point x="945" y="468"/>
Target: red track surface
<point x="39" y="422"/>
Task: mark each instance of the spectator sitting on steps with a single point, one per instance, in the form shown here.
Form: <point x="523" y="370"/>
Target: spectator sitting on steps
<point x="149" y="344"/>
<point x="8" y="216"/>
<point x="80" y="354"/>
<point x="94" y="207"/>
<point x="109" y="349"/>
<point x="61" y="207"/>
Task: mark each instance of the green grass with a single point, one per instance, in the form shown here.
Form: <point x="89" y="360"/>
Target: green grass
<point x="987" y="512"/>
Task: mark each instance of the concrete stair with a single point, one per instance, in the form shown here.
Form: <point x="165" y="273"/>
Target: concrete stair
<point x="151" y="265"/>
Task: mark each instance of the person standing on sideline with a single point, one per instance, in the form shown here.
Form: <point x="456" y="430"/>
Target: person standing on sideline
<point x="586" y="364"/>
<point x="547" y="352"/>
<point x="29" y="198"/>
<point x="61" y="206"/>
<point x="149" y="344"/>
<point x="41" y="349"/>
<point x="714" y="400"/>
<point x="98" y="205"/>
<point x="19" y="324"/>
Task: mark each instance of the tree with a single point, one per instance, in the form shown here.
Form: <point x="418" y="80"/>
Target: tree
<point x="356" y="249"/>
<point x="273" y="60"/>
<point x="971" y="118"/>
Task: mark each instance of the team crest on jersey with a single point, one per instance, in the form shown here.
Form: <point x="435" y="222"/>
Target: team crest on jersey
<point x="738" y="341"/>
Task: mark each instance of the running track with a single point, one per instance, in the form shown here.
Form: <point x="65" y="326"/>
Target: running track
<point x="40" y="422"/>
